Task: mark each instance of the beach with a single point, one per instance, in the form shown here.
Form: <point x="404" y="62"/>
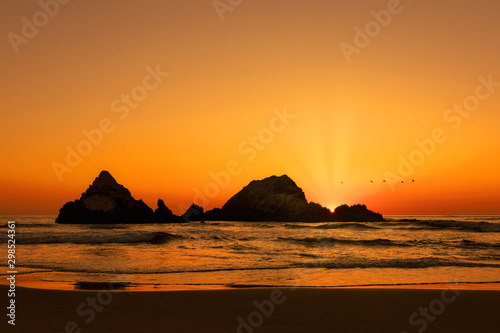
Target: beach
<point x="250" y="310"/>
<point x="427" y="275"/>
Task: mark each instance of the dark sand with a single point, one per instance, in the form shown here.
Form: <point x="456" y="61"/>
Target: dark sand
<point x="303" y="310"/>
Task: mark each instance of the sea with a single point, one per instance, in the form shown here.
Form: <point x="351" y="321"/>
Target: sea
<point x="404" y="250"/>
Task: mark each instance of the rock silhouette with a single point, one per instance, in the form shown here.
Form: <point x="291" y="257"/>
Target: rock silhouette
<point x="194" y="213"/>
<point x="280" y="199"/>
<point x="106" y="201"/>
<point x="164" y="215"/>
<point x="270" y="199"/>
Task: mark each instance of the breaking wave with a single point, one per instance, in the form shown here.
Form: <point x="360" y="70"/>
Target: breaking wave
<point x="351" y="263"/>
<point x="122" y="237"/>
<point x="352" y="225"/>
<point x="456" y="225"/>
<point x="427" y="262"/>
<point x="330" y="241"/>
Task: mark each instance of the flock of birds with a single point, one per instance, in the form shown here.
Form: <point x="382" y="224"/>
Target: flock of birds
<point x="371" y="181"/>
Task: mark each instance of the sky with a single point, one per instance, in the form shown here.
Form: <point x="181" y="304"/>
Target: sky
<point x="190" y="100"/>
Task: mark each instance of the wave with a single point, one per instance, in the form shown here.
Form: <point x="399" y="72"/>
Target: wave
<point x="347" y="263"/>
<point x="30" y="225"/>
<point x="463" y="244"/>
<point x="330" y="241"/>
<point x="296" y="226"/>
<point x="426" y="262"/>
<point x="449" y="284"/>
<point x="242" y="248"/>
<point x="468" y="244"/>
<point x="151" y="269"/>
<point x="263" y="225"/>
<point x="334" y="225"/>
<point x="482" y="217"/>
<point x="124" y="237"/>
<point x="471" y="226"/>
<point x="463" y="225"/>
<point x="352" y="225"/>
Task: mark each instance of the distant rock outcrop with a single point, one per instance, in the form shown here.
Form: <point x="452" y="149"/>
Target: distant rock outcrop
<point x="106" y="201"/>
<point x="164" y="215"/>
<point x="280" y="199"/>
<point x="355" y="213"/>
<point x="194" y="213"/>
<point x="270" y="199"/>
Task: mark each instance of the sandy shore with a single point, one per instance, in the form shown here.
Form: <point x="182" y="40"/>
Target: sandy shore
<point x="281" y="310"/>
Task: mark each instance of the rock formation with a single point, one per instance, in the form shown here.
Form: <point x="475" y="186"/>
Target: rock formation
<point x="280" y="199"/>
<point x="355" y="213"/>
<point x="164" y="215"/>
<point x="194" y="213"/>
<point x="270" y="199"/>
<point x="106" y="201"/>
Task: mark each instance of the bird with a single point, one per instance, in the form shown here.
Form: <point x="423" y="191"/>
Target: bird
<point x="413" y="180"/>
<point x="384" y="180"/>
<point x="402" y="182"/>
<point x="341" y="182"/>
<point x="371" y="181"/>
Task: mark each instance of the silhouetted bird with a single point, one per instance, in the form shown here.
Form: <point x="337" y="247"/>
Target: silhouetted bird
<point x="371" y="181"/>
<point x="384" y="180"/>
<point x="402" y="182"/>
<point x="413" y="180"/>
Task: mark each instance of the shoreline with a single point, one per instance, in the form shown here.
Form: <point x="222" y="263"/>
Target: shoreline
<point x="134" y="287"/>
<point x="256" y="310"/>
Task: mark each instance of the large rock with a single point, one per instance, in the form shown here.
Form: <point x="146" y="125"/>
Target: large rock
<point x="194" y="213"/>
<point x="280" y="199"/>
<point x="164" y="215"/>
<point x="106" y="201"/>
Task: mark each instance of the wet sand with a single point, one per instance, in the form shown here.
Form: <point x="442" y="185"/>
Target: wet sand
<point x="255" y="310"/>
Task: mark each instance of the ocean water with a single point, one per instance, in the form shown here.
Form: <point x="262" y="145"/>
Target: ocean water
<point x="420" y="250"/>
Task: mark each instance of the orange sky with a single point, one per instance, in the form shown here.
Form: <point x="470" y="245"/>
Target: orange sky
<point x="227" y="79"/>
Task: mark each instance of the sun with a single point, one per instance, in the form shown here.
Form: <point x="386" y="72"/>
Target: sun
<point x="332" y="207"/>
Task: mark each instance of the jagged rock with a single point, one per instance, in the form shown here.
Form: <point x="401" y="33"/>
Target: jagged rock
<point x="194" y="213"/>
<point x="270" y="199"/>
<point x="211" y="215"/>
<point x="105" y="201"/>
<point x="280" y="199"/>
<point x="164" y="215"/>
<point x="356" y="213"/>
